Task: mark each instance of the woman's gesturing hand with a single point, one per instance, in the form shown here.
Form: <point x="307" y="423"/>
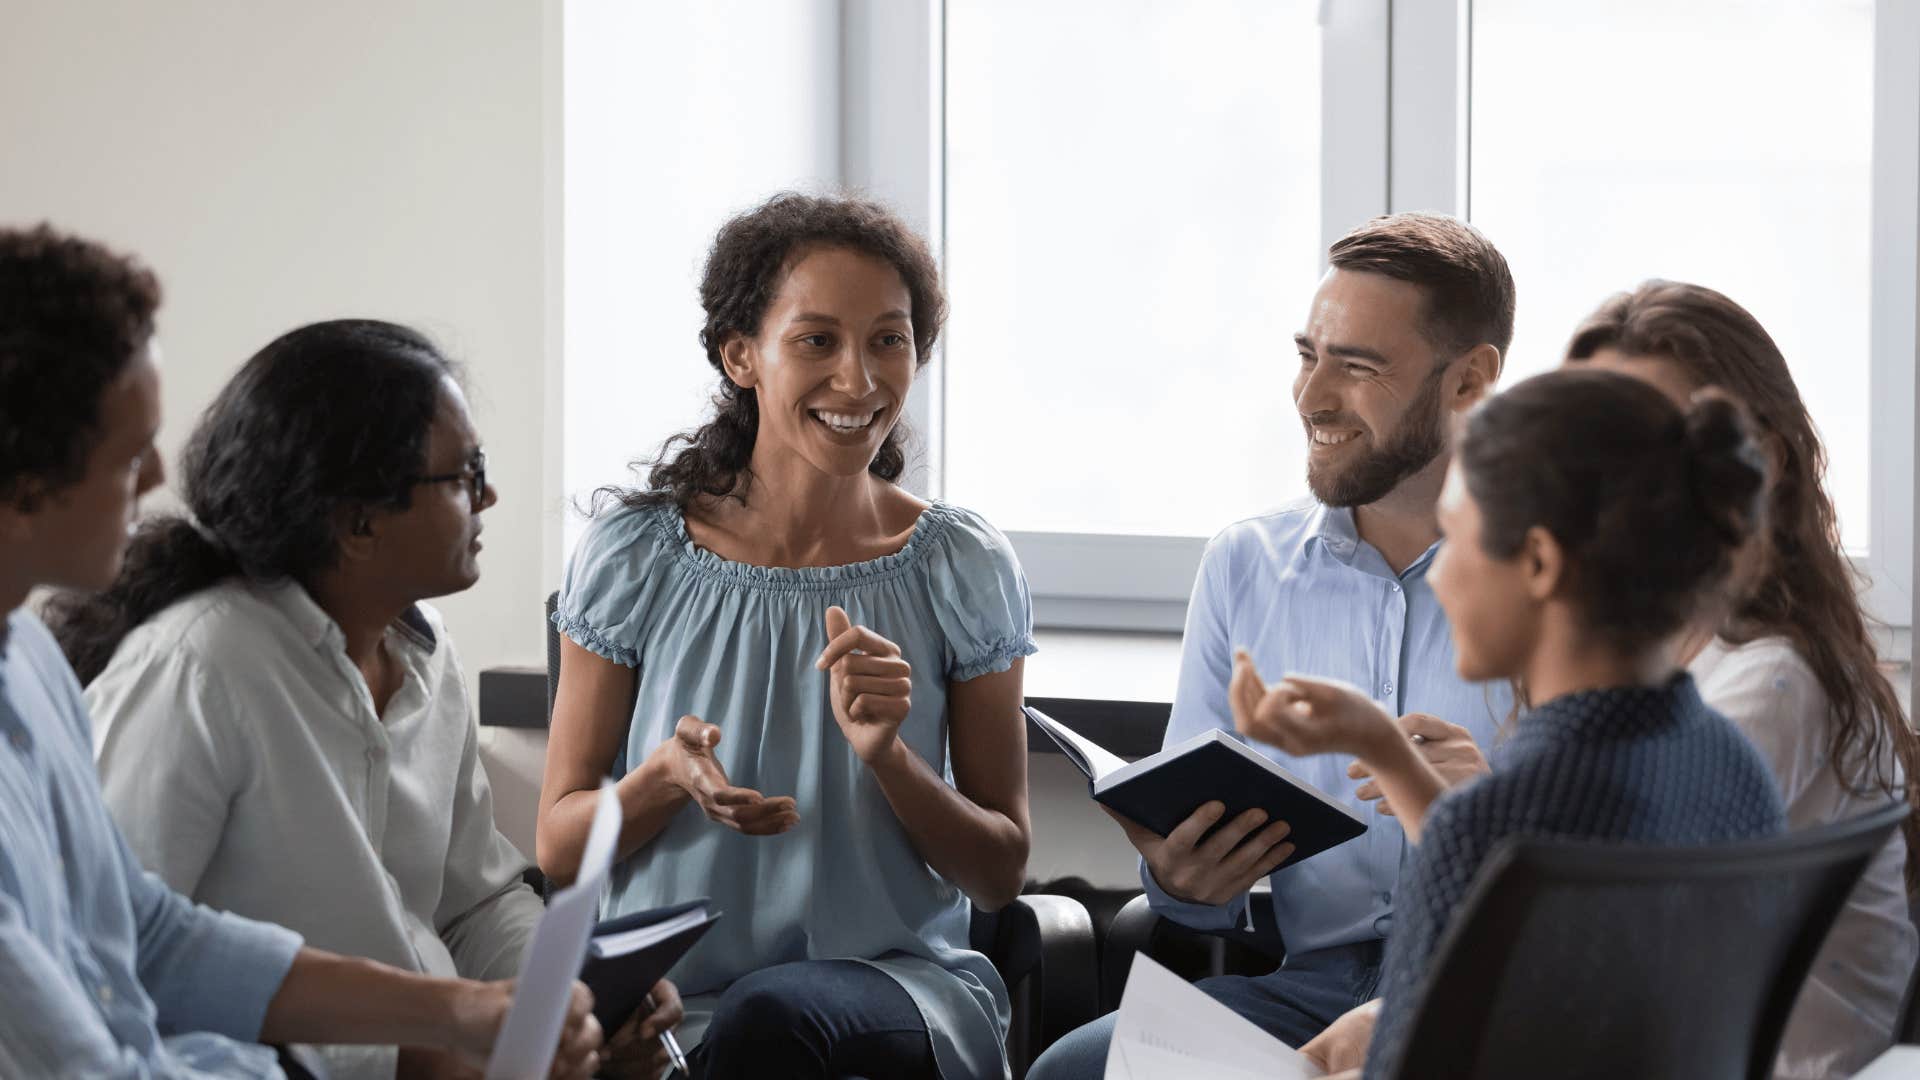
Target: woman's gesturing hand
<point x="870" y="686"/>
<point x="690" y="766"/>
<point x="1305" y="716"/>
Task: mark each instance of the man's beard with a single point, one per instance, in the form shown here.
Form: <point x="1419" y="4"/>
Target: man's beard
<point x="1411" y="447"/>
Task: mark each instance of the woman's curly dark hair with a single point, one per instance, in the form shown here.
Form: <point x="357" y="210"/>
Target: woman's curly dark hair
<point x="72" y="316"/>
<point x="327" y="422"/>
<point x="749" y="260"/>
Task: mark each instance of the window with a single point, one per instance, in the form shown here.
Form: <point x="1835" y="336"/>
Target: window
<point x="1133" y="231"/>
<point x="1132" y="200"/>
<point x="1733" y="150"/>
<point x="1111" y="400"/>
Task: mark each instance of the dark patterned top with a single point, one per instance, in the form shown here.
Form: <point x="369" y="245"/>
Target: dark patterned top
<point x="1640" y="766"/>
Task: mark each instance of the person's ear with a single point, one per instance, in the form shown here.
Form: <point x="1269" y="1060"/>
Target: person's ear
<point x="739" y="361"/>
<point x="1479" y="372"/>
<point x="354" y="525"/>
<point x="1544" y="563"/>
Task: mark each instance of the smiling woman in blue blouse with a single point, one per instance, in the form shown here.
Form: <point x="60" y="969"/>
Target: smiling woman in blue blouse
<point x="805" y="679"/>
<point x="1588" y="520"/>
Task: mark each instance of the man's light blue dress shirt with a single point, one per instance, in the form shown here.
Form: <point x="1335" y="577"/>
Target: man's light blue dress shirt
<point x="104" y="971"/>
<point x="1301" y="592"/>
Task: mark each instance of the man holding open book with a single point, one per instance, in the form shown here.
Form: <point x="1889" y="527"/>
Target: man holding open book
<point x="1408" y="330"/>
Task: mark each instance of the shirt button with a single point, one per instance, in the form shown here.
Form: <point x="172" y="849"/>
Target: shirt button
<point x="1387" y="689"/>
<point x="105" y="994"/>
<point x="1395" y="586"/>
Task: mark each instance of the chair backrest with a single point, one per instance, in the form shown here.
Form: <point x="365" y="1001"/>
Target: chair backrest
<point x="1587" y="959"/>
<point x="553" y="651"/>
<point x="1909" y="1029"/>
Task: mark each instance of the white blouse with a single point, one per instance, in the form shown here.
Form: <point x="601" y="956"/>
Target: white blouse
<point x="240" y="753"/>
<point x="1849" y="1006"/>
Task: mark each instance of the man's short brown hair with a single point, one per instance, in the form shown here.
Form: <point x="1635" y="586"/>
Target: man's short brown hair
<point x="1468" y="286"/>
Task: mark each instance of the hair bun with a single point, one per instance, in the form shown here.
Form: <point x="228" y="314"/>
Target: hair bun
<point x="1725" y="464"/>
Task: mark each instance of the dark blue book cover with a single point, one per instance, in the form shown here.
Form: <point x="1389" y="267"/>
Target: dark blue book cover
<point x="1162" y="790"/>
<point x="621" y="977"/>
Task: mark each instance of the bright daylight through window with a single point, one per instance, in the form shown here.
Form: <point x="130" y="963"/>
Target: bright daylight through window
<point x="1133" y="233"/>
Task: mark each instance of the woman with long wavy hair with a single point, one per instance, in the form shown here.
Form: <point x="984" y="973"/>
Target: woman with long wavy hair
<point x="1791" y="659"/>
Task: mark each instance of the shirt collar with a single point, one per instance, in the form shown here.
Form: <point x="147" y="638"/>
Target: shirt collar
<point x="1339" y="535"/>
<point x="320" y="631"/>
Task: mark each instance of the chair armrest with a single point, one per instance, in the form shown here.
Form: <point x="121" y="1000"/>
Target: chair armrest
<point x="1043" y="947"/>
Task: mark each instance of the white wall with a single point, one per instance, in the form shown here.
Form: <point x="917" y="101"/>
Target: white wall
<point x="280" y="162"/>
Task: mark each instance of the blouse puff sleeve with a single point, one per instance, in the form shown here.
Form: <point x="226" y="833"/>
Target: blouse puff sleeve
<point x="980" y="598"/>
<point x="607" y="589"/>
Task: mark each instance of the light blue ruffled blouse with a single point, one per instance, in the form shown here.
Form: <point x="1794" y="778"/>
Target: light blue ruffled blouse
<point x="734" y="645"/>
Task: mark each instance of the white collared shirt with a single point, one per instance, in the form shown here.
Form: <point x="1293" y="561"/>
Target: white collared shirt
<point x="1850" y="1002"/>
<point x="241" y="755"/>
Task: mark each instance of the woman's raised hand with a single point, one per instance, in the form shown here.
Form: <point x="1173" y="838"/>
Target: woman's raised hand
<point x="691" y="766"/>
<point x="870" y="685"/>
<point x="1305" y="716"/>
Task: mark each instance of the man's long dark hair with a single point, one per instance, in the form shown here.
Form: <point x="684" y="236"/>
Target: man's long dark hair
<point x="327" y="422"/>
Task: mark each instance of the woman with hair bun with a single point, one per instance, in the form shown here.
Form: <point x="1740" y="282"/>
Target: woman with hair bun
<point x="1588" y="521"/>
<point x="283" y="727"/>
<point x="805" y="679"/>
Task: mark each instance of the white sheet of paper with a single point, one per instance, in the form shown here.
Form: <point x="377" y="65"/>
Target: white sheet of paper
<point x="1898" y="1063"/>
<point x="531" y="1033"/>
<point x="1169" y="1030"/>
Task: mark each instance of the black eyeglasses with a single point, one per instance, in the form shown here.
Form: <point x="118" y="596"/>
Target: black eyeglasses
<point x="474" y="476"/>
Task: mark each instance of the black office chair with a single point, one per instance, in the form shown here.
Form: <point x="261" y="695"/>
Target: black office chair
<point x="1593" y="959"/>
<point x="1042" y="945"/>
<point x="1908" y="1030"/>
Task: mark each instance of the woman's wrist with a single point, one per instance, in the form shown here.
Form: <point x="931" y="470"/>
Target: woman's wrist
<point x="894" y="759"/>
<point x="656" y="780"/>
<point x="1385" y="748"/>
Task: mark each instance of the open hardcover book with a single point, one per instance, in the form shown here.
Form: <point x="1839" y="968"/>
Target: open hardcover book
<point x="1162" y="790"/>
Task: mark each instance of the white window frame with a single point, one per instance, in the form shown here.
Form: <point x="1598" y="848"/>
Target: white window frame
<point x="1395" y="136"/>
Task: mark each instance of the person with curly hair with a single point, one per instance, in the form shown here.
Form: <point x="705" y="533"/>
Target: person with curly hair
<point x="105" y="970"/>
<point x="268" y="672"/>
<point x="806" y="680"/>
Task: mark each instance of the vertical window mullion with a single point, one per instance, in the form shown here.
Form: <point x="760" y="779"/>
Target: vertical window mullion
<point x="892" y="88"/>
<point x="1894" y="338"/>
<point x="1427" y="108"/>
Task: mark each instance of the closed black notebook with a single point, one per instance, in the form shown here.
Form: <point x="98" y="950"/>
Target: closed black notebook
<point x="1162" y="790"/>
<point x="628" y="955"/>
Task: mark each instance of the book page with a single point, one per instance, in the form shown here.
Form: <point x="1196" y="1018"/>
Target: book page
<point x="1089" y="756"/>
<point x="1170" y="1030"/>
<point x="531" y="1032"/>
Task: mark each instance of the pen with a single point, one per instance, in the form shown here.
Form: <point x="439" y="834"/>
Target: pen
<point x="674" y="1054"/>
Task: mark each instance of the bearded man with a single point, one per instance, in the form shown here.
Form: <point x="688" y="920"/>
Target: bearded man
<point x="1408" y="330"/>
